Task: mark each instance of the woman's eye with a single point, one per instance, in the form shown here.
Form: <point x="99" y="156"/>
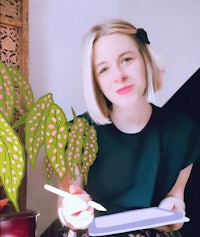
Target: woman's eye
<point x="102" y="70"/>
<point x="127" y="59"/>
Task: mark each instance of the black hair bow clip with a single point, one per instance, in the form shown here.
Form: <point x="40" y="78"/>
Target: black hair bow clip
<point x="142" y="36"/>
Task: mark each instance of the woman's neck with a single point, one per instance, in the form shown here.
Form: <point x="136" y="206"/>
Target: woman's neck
<point x="131" y="120"/>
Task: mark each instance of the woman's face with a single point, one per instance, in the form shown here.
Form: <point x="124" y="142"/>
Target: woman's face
<point x="119" y="69"/>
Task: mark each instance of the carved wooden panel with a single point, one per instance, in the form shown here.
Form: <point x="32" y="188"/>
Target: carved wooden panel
<point x="14" y="34"/>
<point x="10" y="46"/>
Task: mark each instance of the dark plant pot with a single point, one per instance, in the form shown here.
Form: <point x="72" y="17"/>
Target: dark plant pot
<point x="18" y="224"/>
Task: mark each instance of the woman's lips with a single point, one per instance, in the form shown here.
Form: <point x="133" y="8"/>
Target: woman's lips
<point x="124" y="89"/>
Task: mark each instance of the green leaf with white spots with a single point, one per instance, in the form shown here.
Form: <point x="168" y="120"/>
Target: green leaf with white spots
<point x="35" y="127"/>
<point x="12" y="162"/>
<point x="22" y="83"/>
<point x="56" y="139"/>
<point x="7" y="93"/>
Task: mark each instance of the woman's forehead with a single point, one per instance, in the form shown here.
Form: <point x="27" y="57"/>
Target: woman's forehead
<point x="113" y="45"/>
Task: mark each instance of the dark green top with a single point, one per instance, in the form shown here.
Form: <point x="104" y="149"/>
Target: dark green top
<point x="138" y="170"/>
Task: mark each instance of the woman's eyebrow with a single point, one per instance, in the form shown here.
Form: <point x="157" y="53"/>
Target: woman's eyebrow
<point x="126" y="52"/>
<point x="96" y="66"/>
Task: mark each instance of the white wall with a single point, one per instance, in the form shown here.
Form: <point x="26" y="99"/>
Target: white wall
<point x="56" y="30"/>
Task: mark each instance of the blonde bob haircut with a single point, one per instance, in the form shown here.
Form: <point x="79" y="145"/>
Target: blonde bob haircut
<point x="97" y="104"/>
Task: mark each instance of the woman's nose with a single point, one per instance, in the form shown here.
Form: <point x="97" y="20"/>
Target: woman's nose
<point x="120" y="75"/>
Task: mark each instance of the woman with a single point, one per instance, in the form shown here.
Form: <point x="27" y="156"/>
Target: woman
<point x="145" y="153"/>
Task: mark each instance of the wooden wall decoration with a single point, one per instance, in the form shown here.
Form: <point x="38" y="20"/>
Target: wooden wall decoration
<point x="14" y="52"/>
<point x="14" y="34"/>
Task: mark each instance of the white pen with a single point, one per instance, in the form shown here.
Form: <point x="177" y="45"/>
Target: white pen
<point x="62" y="193"/>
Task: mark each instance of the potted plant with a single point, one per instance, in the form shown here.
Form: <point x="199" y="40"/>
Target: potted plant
<point x="68" y="144"/>
<point x="13" y="86"/>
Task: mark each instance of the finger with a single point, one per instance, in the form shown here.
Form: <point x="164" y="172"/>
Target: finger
<point x="169" y="228"/>
<point x="166" y="204"/>
<point x="84" y="197"/>
<point x="81" y="221"/>
<point x="176" y="226"/>
<point x="75" y="189"/>
<point x="80" y="193"/>
<point x="166" y="228"/>
<point x="74" y="204"/>
<point x="173" y="203"/>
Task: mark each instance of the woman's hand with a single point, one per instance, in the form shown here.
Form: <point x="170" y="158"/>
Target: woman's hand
<point x="74" y="211"/>
<point x="173" y="204"/>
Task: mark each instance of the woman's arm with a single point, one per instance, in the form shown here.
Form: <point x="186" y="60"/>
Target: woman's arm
<point x="175" y="198"/>
<point x="179" y="187"/>
<point x="74" y="211"/>
<point x="65" y="183"/>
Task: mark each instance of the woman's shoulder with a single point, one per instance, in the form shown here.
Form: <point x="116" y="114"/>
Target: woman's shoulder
<point x="176" y="127"/>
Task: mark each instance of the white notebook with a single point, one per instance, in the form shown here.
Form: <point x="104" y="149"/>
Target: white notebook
<point x="139" y="219"/>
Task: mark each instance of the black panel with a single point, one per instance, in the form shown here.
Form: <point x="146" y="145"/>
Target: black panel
<point x="187" y="100"/>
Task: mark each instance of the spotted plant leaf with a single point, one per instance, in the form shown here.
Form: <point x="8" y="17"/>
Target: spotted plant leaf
<point x="11" y="161"/>
<point x="7" y="94"/>
<point x="90" y="151"/>
<point x="81" y="147"/>
<point x="49" y="171"/>
<point x="25" y="88"/>
<point x="35" y="127"/>
<point x="75" y="145"/>
<point x="56" y="139"/>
